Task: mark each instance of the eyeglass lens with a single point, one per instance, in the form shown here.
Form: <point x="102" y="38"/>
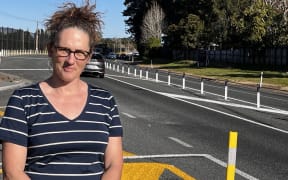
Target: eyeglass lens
<point x="78" y="54"/>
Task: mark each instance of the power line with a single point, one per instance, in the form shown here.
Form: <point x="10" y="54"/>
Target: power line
<point x="17" y="17"/>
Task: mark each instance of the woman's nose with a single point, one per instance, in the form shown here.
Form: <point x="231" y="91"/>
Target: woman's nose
<point x="71" y="58"/>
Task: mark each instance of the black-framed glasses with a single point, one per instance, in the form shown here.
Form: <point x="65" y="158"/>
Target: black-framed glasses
<point x="65" y="52"/>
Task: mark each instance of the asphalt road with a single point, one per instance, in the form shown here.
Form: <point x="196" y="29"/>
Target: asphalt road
<point x="168" y="125"/>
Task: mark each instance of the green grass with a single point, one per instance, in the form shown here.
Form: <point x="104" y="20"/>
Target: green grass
<point x="241" y="75"/>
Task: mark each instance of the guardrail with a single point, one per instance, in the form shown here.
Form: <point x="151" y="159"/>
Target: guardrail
<point x="6" y="52"/>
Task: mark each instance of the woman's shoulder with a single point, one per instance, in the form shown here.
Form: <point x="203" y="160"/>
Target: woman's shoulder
<point x="29" y="89"/>
<point x="97" y="91"/>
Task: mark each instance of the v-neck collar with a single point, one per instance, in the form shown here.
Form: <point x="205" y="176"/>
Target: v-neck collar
<point x="57" y="112"/>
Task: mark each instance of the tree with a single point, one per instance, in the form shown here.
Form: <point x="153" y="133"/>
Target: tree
<point x="257" y="20"/>
<point x="187" y="33"/>
<point x="153" y="24"/>
<point x="197" y="23"/>
<point x="135" y="11"/>
<point x="281" y="5"/>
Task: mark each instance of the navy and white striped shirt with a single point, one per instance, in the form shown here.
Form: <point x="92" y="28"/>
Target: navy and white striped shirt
<point x="59" y="148"/>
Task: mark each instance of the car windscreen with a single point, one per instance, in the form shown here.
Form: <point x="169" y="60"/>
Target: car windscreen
<point x="96" y="56"/>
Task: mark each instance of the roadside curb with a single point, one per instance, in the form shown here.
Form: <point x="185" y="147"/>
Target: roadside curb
<point x="13" y="85"/>
<point x="9" y="81"/>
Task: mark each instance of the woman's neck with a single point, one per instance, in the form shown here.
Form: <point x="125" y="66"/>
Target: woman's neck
<point x="66" y="88"/>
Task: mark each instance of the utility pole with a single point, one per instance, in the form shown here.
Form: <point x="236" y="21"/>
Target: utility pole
<point x="2" y="38"/>
<point x="37" y="36"/>
<point x="23" y="39"/>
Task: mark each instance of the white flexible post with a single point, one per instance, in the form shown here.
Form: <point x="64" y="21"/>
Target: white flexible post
<point x="258" y="96"/>
<point x="156" y="76"/>
<point x="202" y="86"/>
<point x="261" y="79"/>
<point x="183" y="81"/>
<point x="226" y="90"/>
<point x="169" y="78"/>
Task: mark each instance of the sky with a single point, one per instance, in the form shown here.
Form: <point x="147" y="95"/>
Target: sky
<point x="24" y="14"/>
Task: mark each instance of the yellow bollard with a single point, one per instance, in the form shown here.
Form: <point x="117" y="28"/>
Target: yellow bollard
<point x="231" y="165"/>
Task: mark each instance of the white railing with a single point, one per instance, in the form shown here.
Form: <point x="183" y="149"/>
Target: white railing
<point x="6" y="52"/>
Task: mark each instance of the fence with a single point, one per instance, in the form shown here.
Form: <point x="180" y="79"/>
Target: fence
<point x="5" y="52"/>
<point x="272" y="57"/>
<point x="18" y="39"/>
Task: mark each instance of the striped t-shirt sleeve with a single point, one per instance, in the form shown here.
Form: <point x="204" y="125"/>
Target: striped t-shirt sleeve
<point x="13" y="127"/>
<point x="115" y="128"/>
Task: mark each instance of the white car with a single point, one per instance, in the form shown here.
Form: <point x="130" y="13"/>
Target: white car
<point x="96" y="65"/>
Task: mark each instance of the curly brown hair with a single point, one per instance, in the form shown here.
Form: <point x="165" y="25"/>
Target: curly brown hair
<point x="69" y="15"/>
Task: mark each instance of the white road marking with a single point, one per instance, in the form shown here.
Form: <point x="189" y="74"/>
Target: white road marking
<point x="274" y="110"/>
<point x="181" y="142"/>
<point x="24" y="69"/>
<point x="129" y="115"/>
<point x="205" y="107"/>
<point x="25" y="57"/>
<point x="218" y="95"/>
<point x="207" y="156"/>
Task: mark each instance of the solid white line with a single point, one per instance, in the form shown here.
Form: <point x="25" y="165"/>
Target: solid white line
<point x="165" y="156"/>
<point x="25" y="57"/>
<point x="180" y="142"/>
<point x="274" y="110"/>
<point x="129" y="115"/>
<point x="205" y="107"/>
<point x="263" y="108"/>
<point x="223" y="164"/>
<point x="210" y="157"/>
<point x="230" y="98"/>
<point x="235" y="99"/>
<point x="24" y="69"/>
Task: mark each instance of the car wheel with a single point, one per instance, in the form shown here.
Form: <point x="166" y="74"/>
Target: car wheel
<point x="101" y="75"/>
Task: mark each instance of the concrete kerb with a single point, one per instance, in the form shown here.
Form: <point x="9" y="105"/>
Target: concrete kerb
<point x="13" y="85"/>
<point x="8" y="81"/>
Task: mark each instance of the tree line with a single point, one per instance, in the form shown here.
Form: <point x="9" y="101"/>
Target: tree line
<point x="196" y="24"/>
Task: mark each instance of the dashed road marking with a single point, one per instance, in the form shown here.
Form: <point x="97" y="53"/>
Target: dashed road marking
<point x="130" y="168"/>
<point x="180" y="142"/>
<point x="129" y="115"/>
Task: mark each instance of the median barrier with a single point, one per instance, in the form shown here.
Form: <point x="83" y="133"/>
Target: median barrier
<point x="155" y="74"/>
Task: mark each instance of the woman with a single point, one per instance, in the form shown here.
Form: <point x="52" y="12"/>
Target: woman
<point x="63" y="128"/>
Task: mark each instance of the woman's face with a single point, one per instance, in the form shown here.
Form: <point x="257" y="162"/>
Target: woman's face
<point x="70" y="54"/>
